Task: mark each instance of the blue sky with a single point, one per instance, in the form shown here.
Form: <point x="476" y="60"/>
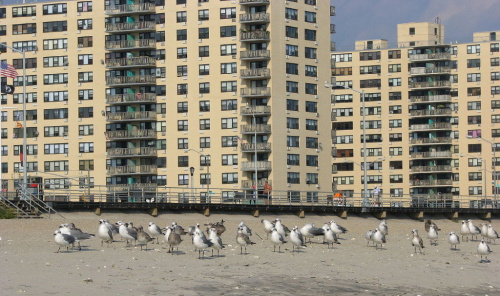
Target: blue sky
<point x="378" y="19"/>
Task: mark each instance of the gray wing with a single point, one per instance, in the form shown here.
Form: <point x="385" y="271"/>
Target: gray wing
<point x="316" y="231"/>
<point x="70" y="239"/>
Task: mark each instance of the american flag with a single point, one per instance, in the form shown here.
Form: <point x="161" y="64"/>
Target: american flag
<point x="8" y="70"/>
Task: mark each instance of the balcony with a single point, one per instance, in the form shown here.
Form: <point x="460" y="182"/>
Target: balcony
<point x="131" y="98"/>
<point x="430" y="99"/>
<point x="434" y="126"/>
<point x="132" y="169"/>
<point x="131" y="62"/>
<point x="254" y="18"/>
<point x="131" y="116"/>
<point x="250" y="147"/>
<point x="255" y="36"/>
<point x="255" y="110"/>
<point x="130" y="80"/>
<point x="261" y="166"/>
<point x="427" y="71"/>
<point x="430" y="84"/>
<point x="128" y="9"/>
<point x="248" y="184"/>
<point x="130" y="134"/>
<point x="253" y="2"/>
<point x="429" y="112"/>
<point x="259" y="73"/>
<point x="255" y="92"/>
<point x="130" y="44"/>
<point x="131" y="152"/>
<point x="255" y="54"/>
<point x="434" y="168"/>
<point x="439" y="182"/>
<point x="132" y="187"/>
<point x="426" y="141"/>
<point x="130" y="27"/>
<point x="431" y="154"/>
<point x="430" y="56"/>
<point x="256" y="128"/>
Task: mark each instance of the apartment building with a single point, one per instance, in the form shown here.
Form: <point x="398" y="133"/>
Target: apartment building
<point x="431" y="116"/>
<point x="146" y="94"/>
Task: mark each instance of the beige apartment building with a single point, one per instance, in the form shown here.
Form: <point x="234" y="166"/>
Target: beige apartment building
<point x="432" y="117"/>
<point x="138" y="95"/>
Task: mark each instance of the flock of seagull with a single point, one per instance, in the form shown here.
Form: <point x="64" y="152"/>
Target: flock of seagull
<point x="68" y="235"/>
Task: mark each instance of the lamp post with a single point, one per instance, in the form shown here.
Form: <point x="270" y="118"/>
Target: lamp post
<point x="366" y="202"/>
<point x="208" y="163"/>
<point x="495" y="178"/>
<point x="191" y="170"/>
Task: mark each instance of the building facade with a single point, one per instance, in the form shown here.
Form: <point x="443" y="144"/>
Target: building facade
<point x="431" y="111"/>
<point x="142" y="94"/>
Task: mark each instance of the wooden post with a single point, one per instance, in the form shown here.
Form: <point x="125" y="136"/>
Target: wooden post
<point x="98" y="211"/>
<point x="255" y="213"/>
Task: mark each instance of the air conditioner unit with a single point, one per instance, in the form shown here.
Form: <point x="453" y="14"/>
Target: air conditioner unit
<point x="288" y="166"/>
<point x="317" y="114"/>
<point x="287" y="56"/>
<point x="288" y="148"/>
<point x="287" y="38"/>
<point x="287" y="75"/>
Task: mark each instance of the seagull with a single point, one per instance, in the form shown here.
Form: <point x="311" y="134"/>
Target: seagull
<point x="492" y="234"/>
<point x="104" y="233"/>
<point x="428" y="224"/>
<point x="369" y="236"/>
<point x="173" y="238"/>
<point x="143" y="237"/>
<point x="282" y="229"/>
<point x="277" y="239"/>
<point x="200" y="243"/>
<point x="219" y="226"/>
<point x="178" y="229"/>
<point x="63" y="240"/>
<point x="78" y="234"/>
<point x="330" y="237"/>
<point x="309" y="231"/>
<point x="154" y="230"/>
<point x="464" y="230"/>
<point x="246" y="229"/>
<point x="214" y="237"/>
<point x="126" y="233"/>
<point x="432" y="234"/>
<point x="484" y="230"/>
<point x="268" y="226"/>
<point x="483" y="249"/>
<point x="417" y="241"/>
<point x="112" y="227"/>
<point x="453" y="239"/>
<point x="474" y="230"/>
<point x="378" y="238"/>
<point x="296" y="238"/>
<point x="243" y="240"/>
<point x="131" y="226"/>
<point x="383" y="228"/>
<point x="337" y="229"/>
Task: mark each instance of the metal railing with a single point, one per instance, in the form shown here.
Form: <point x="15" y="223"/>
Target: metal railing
<point x="435" y="98"/>
<point x="131" y="98"/>
<point x="429" y="112"/>
<point x="431" y="154"/>
<point x="255" y="35"/>
<point x="430" y="56"/>
<point x="255" y="91"/>
<point x="254" y="17"/>
<point x="425" y="70"/>
<point x="139" y="79"/>
<point x="259" y="73"/>
<point x="250" y="147"/>
<point x="126" y="44"/>
<point x="131" y="62"/>
<point x="430" y="168"/>
<point x="251" y="110"/>
<point x="141" y="115"/>
<point x="442" y="83"/>
<point x="259" y="165"/>
<point x="438" y="140"/>
<point x="122" y="152"/>
<point x="132" y="169"/>
<point x="140" y="133"/>
<point x="255" y="54"/>
<point x="437" y="125"/>
<point x="256" y="128"/>
<point x="117" y="27"/>
<point x="129" y="8"/>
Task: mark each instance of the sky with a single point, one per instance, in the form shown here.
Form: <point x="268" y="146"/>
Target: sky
<point x="378" y="19"/>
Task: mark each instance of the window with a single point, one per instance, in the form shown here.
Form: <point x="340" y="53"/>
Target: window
<point x="203" y="51"/>
<point x="229" y="123"/>
<point x="203" y="33"/>
<point x="183" y="179"/>
<point x="475" y="190"/>
<point x="204" y="106"/>
<point x="343" y="180"/>
<point x="3" y="30"/>
<point x="395" y="96"/>
<point x="310" y="17"/>
<point x="494" y="47"/>
<point x="369" y="70"/>
<point x="495" y="90"/>
<point x="59" y="26"/>
<point x="341" y="112"/>
<point x="412" y="31"/>
<point x="24" y="29"/>
<point x="182" y="52"/>
<point x="181" y="16"/>
<point x="55" y="131"/>
<point x="229" y="159"/>
<point x="342" y="99"/>
<point x="370" y="83"/>
<point x="204" y="69"/>
<point x="311" y="89"/>
<point x="344" y="57"/>
<point x="394" y="68"/>
<point x="85" y="41"/>
<point x="50" y="44"/>
<point x="182" y="89"/>
<point x="473" y="91"/>
<point x="84" y="24"/>
<point x="310" y="53"/>
<point x="293" y="159"/>
<point x="55" y="9"/>
<point x="54" y="166"/>
<point x="23" y="45"/>
<point x="231" y="141"/>
<point x="394" y="123"/>
<point x="292" y="50"/>
<point x="228" y="86"/>
<point x="292" y="68"/>
<point x="85" y="112"/>
<point x="292" y="32"/>
<point x="182" y="143"/>
<point x="310" y="106"/>
<point x="205" y="142"/>
<point x="21" y="11"/>
<point x="396" y="178"/>
<point x="395" y="151"/>
<point x="84" y="6"/>
<point x="396" y="109"/>
<point x="311" y="71"/>
<point x="495" y="76"/>
<point x="85" y="130"/>
<point x="476" y="48"/>
<point x="85" y="94"/>
<point x="228" y="31"/>
<point x="311" y="125"/>
<point x="292" y="86"/>
<point x="85" y="59"/>
<point x="182" y="71"/>
<point x="310" y="35"/>
<point x="291" y="14"/>
<point x="293" y="178"/>
<point x="182" y="107"/>
<point x="56" y="148"/>
<point x="312" y="160"/>
<point x="30" y="98"/>
<point x="203" y="15"/>
<point x="204" y="124"/>
<point x="368" y="56"/>
<point x="55" y="61"/>
<point x="227" y="49"/>
<point x="372" y="124"/>
<point x="292" y="141"/>
<point x="292" y="123"/>
<point x="343" y="139"/>
<point x="204" y="87"/>
<point x="312" y="178"/>
<point x="474" y="105"/>
<point x="182" y="125"/>
<point x="228" y="13"/>
<point x="473" y="63"/>
<point x="183" y="161"/>
<point x="394" y="54"/>
<point x="228" y="68"/>
<point x="394" y="81"/>
<point x="311" y="142"/>
<point x="292" y="105"/>
<point x="229" y="105"/>
<point x="181" y="34"/>
<point x="229" y="178"/>
<point x="85" y="77"/>
<point x="473" y="77"/>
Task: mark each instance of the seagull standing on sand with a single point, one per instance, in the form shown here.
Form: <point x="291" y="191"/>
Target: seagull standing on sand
<point x="296" y="238"/>
<point x="474" y="230"/>
<point x="154" y="230"/>
<point x="78" y="234"/>
<point x="219" y="226"/>
<point x="492" y="234"/>
<point x="246" y="230"/>
<point x="432" y="234"/>
<point x="428" y="224"/>
<point x="378" y="238"/>
<point x="453" y="240"/>
<point x="417" y="241"/>
<point x="483" y="250"/>
<point x="63" y="240"/>
<point x="128" y="234"/>
<point x="104" y="233"/>
<point x="383" y="228"/>
<point x="484" y="230"/>
<point x="337" y="229"/>
<point x="243" y="240"/>
<point x="464" y="230"/>
<point x="309" y="231"/>
<point x="214" y="237"/>
<point x="112" y="227"/>
<point x="282" y="229"/>
<point x="369" y="236"/>
<point x="200" y="242"/>
<point x="268" y="227"/>
<point x="143" y="237"/>
<point x="277" y="239"/>
<point x="173" y="238"/>
<point x="330" y="237"/>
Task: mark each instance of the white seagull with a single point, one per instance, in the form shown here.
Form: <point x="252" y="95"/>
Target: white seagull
<point x="417" y="241"/>
<point x="214" y="237"/>
<point x="63" y="240"/>
<point x="383" y="228"/>
<point x="243" y="240"/>
<point x="268" y="226"/>
<point x="282" y="229"/>
<point x="330" y="237"/>
<point x="201" y="243"/>
<point x="173" y="238"/>
<point x="309" y="231"/>
<point x="453" y="240"/>
<point x="474" y="230"/>
<point x="483" y="250"/>
<point x="112" y="227"/>
<point x="484" y="230"/>
<point x="78" y="234"/>
<point x="128" y="234"/>
<point x="143" y="238"/>
<point x="464" y="230"/>
<point x="492" y="234"/>
<point x="369" y="236"/>
<point x="277" y="239"/>
<point x="246" y="229"/>
<point x="337" y="229"/>
<point x="104" y="233"/>
<point x="432" y="234"/>
<point x="378" y="238"/>
<point x="296" y="238"/>
<point x="154" y="230"/>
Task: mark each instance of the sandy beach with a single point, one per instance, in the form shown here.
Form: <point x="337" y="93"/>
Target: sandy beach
<point x="30" y="266"/>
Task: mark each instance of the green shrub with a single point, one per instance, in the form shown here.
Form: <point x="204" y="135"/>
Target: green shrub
<point x="7" y="213"/>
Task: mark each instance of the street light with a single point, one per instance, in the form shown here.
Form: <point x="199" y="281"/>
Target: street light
<point x="495" y="178"/>
<point x="255" y="150"/>
<point x="191" y="170"/>
<point x="366" y="202"/>
<point x="208" y="163"/>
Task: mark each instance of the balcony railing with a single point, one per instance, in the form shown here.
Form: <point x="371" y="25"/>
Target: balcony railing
<point x="261" y="165"/>
<point x="127" y="152"/>
<point x="131" y="98"/>
<point x="424" y="84"/>
<point x="132" y="187"/>
<point x="135" y="26"/>
<point x="132" y="169"/>
<point x="430" y="168"/>
<point x="258" y="128"/>
<point x="123" y="80"/>
<point x="425" y="70"/>
<point x="251" y="2"/>
<point x="130" y="8"/>
<point x="428" y="112"/>
<point x="131" y="62"/>
<point x="255" y="110"/>
<point x="255" y="54"/>
<point x="249" y="147"/>
<point x="248" y="184"/>
<point x="255" y="73"/>
<point x="255" y="35"/>
<point x="438" y="140"/>
<point x="142" y="115"/>
<point x="130" y="44"/>
<point x="127" y="134"/>
<point x="255" y="92"/>
<point x="430" y="56"/>
<point x="437" y="125"/>
<point x="431" y="154"/>
<point x="439" y="182"/>
<point x="260" y="17"/>
<point x="436" y="98"/>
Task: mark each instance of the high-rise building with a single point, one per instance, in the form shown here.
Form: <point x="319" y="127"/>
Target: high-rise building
<point x="141" y="94"/>
<point x="431" y="110"/>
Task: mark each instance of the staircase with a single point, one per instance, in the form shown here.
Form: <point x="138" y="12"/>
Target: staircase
<point x="29" y="206"/>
